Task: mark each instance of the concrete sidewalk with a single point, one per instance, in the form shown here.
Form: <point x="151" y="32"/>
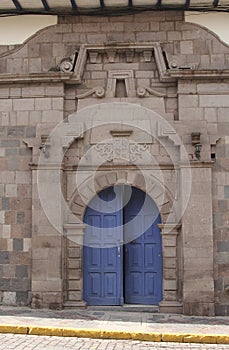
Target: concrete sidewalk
<point x="92" y="323"/>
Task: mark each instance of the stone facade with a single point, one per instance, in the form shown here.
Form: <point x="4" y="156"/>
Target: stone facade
<point x="138" y="84"/>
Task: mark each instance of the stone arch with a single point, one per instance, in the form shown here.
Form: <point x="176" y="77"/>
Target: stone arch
<point x="156" y="191"/>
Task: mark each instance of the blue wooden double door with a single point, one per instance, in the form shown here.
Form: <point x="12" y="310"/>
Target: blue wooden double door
<point x="122" y="254"/>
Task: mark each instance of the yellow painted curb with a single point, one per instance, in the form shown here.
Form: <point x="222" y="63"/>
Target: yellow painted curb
<point x="14" y="329"/>
<point x="200" y="338"/>
<point x="156" y="337"/>
<point x="107" y="334"/>
<point x="172" y="337"/>
<point x="81" y="333"/>
<point x="222" y="339"/>
<point x="39" y="330"/>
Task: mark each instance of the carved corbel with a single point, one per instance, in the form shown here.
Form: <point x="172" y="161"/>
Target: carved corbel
<point x="147" y="54"/>
<point x="111" y="55"/>
<point x="129" y="56"/>
<point x="97" y="91"/>
<point x="93" y="55"/>
<point x="143" y="91"/>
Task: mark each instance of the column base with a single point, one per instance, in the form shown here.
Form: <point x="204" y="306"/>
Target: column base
<point x="170" y="307"/>
<point x="199" y="308"/>
<point x="74" y="304"/>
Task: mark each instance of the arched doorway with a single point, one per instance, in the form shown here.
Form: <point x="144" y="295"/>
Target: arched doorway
<point x="122" y="253"/>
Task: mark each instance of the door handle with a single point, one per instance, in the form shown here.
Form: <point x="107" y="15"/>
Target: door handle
<point x="119" y="251"/>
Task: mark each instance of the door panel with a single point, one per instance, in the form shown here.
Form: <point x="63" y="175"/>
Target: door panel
<point x="143" y="266"/>
<point x="102" y="268"/>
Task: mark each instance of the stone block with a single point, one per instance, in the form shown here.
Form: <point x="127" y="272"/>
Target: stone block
<point x="11" y="190"/>
<point x="18" y="244"/>
<point x="194" y="114"/>
<point x="74" y="285"/>
<point x="73" y="264"/>
<point x="24" y="104"/>
<point x="13" y="163"/>
<point x="5" y="203"/>
<point x="16" y="131"/>
<point x="217" y="101"/>
<point x="20" y="284"/>
<point x="9" y="298"/>
<point x="54" y="285"/>
<point x="169" y="262"/>
<point x="22" y="298"/>
<point x="112" y="27"/>
<point x="226" y="192"/>
<point x="51" y="298"/>
<point x="199" y="309"/>
<point x="5" y="284"/>
<point x="169" y="252"/>
<point x="170" y="285"/>
<point x="4" y="257"/>
<point x="21" y="271"/>
<point x="74" y="274"/>
<point x="30" y="131"/>
<point x="96" y="38"/>
<point x="76" y="296"/>
<point x="23" y="177"/>
<point x="22" y="118"/>
<point x="42" y="104"/>
<point x="6" y="231"/>
<point x="6" y="105"/>
<point x="10" y="143"/>
<point x="174" y="35"/>
<point x="170" y="274"/>
<point x="74" y="252"/>
<point x="188" y="101"/>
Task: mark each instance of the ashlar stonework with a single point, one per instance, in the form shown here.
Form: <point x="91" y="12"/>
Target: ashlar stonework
<point x="93" y="102"/>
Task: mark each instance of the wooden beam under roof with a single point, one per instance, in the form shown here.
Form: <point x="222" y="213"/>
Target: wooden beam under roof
<point x="110" y="7"/>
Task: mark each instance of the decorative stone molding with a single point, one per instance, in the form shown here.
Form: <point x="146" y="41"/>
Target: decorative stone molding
<point x="143" y="91"/>
<point x="121" y="149"/>
<point x="66" y="65"/>
<point x="127" y="76"/>
<point x="76" y="63"/>
<point x="86" y="190"/>
<point x="97" y="92"/>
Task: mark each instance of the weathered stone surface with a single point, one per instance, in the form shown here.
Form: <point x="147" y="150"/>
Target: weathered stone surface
<point x="195" y="260"/>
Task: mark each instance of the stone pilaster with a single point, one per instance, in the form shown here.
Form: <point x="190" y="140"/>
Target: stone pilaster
<point x="170" y="302"/>
<point x="47" y="239"/>
<point x="74" y="254"/>
<point x="197" y="240"/>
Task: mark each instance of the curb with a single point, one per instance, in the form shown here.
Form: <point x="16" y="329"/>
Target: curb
<point x="106" y="334"/>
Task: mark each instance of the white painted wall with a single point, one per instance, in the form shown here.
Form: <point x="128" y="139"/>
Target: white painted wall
<point x="215" y="21"/>
<point x="16" y="29"/>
